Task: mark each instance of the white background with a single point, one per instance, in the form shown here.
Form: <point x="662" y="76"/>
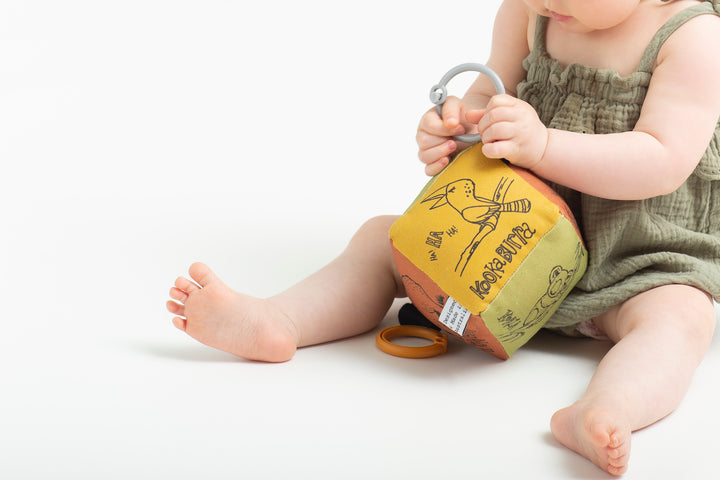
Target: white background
<point x="137" y="137"/>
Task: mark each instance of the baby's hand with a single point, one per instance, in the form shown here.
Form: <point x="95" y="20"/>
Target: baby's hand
<point x="511" y="129"/>
<point x="434" y="135"/>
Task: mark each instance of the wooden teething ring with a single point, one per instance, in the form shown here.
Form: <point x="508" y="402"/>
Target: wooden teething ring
<point x="438" y="347"/>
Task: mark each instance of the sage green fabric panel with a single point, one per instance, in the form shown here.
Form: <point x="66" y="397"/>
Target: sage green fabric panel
<point x="535" y="291"/>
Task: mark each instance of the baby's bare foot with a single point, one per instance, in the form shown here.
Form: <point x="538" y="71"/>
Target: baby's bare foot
<point x="598" y="434"/>
<point x="212" y="313"/>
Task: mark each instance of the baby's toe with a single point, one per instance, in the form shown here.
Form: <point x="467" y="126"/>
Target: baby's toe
<point x="179" y="295"/>
<point x="202" y="274"/>
<point x="185" y="285"/>
<point x="175" y="308"/>
<point x="180" y="323"/>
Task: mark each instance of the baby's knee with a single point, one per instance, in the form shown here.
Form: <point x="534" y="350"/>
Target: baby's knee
<point x="691" y="317"/>
<point x="697" y="317"/>
<point x="376" y="229"/>
<point x="686" y="311"/>
<point x="371" y="244"/>
<point x="706" y="322"/>
<point x="372" y="240"/>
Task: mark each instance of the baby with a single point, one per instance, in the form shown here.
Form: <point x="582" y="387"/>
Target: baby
<point x="613" y="102"/>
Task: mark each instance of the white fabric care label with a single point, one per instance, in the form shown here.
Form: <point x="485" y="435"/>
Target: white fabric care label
<point x="454" y="316"/>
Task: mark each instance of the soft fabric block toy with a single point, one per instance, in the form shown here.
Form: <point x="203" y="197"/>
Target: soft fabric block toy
<point x="487" y="252"/>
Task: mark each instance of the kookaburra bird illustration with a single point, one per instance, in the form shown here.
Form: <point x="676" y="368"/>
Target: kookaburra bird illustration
<point x="484" y="212"/>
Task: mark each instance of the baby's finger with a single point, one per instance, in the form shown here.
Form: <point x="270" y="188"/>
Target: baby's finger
<point x="500" y="149"/>
<point x="436" y="167"/>
<point x="499" y="131"/>
<point x="474" y="116"/>
<point x="434" y="153"/>
<point x="432" y="124"/>
<point x="502" y="100"/>
<point x="494" y="116"/>
<point x="427" y="140"/>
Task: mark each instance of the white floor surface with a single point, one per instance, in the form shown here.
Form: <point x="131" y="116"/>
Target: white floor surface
<point x="138" y="137"/>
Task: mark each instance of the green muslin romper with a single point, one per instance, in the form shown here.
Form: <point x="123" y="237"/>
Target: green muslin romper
<point x="633" y="245"/>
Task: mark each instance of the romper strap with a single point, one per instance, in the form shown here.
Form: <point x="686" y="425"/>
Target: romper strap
<point x="648" y="59"/>
<point x="540" y="30"/>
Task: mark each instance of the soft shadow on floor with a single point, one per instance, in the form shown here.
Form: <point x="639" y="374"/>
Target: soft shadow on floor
<point x="188" y="353"/>
<point x="549" y="342"/>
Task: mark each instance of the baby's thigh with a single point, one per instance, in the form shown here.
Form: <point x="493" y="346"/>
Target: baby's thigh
<point x="684" y="308"/>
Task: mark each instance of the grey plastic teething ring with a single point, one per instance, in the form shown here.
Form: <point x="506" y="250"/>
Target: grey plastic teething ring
<point x="438" y="94"/>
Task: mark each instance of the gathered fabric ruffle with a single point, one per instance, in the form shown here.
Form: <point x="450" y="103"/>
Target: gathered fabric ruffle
<point x="633" y="245"/>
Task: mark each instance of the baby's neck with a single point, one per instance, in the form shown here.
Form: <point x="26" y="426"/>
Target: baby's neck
<point x="619" y="48"/>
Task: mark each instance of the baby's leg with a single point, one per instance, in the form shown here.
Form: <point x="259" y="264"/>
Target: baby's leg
<point x="661" y="337"/>
<point x="348" y="296"/>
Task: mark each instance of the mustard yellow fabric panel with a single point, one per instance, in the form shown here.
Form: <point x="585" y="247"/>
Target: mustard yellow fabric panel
<point x="472" y="226"/>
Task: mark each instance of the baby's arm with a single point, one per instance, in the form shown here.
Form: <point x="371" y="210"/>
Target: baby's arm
<point x="677" y="121"/>
<point x="510" y="47"/>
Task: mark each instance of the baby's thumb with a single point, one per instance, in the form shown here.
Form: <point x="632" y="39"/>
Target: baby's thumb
<point x="451" y="112"/>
